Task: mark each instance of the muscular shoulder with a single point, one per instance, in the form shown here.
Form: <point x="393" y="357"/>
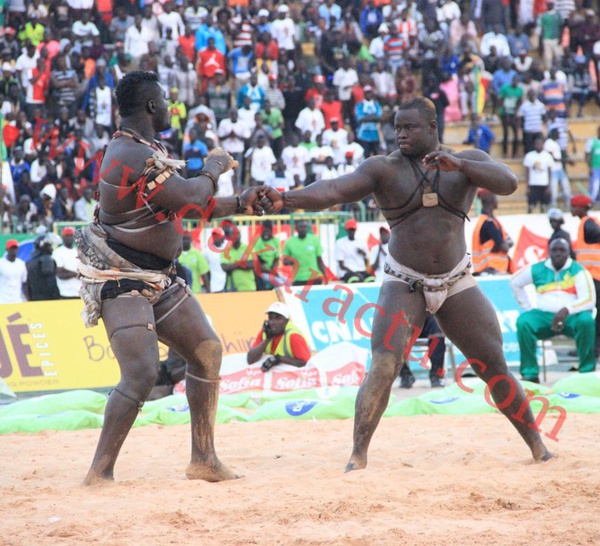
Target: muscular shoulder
<point x="473" y="154"/>
<point x="124" y="157"/>
<point x="378" y="168"/>
<point x="381" y="163"/>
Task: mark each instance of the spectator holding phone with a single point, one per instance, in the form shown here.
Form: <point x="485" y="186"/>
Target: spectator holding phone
<point x="280" y="339"/>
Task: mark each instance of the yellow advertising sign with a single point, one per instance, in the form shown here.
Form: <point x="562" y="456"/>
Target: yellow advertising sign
<point x="44" y="346"/>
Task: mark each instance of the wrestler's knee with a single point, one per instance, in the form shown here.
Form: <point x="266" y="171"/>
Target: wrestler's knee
<point x="385" y="366"/>
<point x="206" y="358"/>
<point x="137" y="353"/>
<point x="140" y="378"/>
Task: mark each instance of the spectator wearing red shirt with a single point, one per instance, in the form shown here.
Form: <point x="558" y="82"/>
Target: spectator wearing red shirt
<point x="210" y="60"/>
<point x="331" y="108"/>
<point x="280" y="339"/>
<point x="266" y="43"/>
<point x="51" y="45"/>
<point x="317" y="91"/>
<point x="187" y="42"/>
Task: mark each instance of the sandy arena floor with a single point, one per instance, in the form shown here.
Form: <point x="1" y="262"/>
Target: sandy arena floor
<point x="432" y="480"/>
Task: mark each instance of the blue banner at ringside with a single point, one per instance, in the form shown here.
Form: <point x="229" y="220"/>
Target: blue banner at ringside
<point x="344" y="312"/>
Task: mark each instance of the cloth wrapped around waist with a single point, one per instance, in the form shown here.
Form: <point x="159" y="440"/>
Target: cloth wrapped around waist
<point x="101" y="265"/>
<point x="434" y="287"/>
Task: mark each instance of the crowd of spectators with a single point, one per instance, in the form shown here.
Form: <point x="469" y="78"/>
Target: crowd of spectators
<point x="296" y="92"/>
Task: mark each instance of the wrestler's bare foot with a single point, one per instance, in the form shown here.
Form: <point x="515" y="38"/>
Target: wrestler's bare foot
<point x="93" y="478"/>
<point x="210" y="472"/>
<point x="540" y="452"/>
<point x="356" y="463"/>
<point x="545" y="456"/>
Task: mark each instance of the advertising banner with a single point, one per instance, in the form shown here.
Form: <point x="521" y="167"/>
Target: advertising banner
<point x="44" y="346"/>
<point x="340" y="365"/>
<point x="345" y="312"/>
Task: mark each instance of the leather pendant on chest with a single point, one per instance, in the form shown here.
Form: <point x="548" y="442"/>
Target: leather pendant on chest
<point x="429" y="198"/>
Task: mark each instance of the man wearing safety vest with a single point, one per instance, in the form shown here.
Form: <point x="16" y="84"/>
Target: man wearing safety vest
<point x="490" y="242"/>
<point x="587" y="249"/>
<point x="281" y="339"/>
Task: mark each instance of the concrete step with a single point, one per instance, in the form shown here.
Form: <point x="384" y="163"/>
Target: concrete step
<point x="581" y="128"/>
<point x="579" y="169"/>
<point x="496" y="150"/>
<point x="516" y="203"/>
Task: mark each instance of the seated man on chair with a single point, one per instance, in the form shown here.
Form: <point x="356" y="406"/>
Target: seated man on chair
<point x="565" y="301"/>
<point x="281" y="339"/>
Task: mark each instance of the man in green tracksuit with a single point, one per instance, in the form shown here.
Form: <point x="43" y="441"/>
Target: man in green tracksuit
<point x="565" y="301"/>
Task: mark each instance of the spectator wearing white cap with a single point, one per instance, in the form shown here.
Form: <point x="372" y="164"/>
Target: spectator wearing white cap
<point x="280" y="339"/>
<point x="283" y="30"/>
<point x="263" y="25"/>
<point x="368" y="115"/>
<point x="377" y="45"/>
<point x="44" y="205"/>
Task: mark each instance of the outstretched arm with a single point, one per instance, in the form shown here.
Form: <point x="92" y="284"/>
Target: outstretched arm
<point x="346" y="189"/>
<point x="192" y="197"/>
<point x="480" y="169"/>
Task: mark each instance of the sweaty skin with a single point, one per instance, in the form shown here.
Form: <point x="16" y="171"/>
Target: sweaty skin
<point x="431" y="241"/>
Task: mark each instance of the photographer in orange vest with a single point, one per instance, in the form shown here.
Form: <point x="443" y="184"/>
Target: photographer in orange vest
<point x="490" y="243"/>
<point x="280" y="339"/>
<point x="587" y="249"/>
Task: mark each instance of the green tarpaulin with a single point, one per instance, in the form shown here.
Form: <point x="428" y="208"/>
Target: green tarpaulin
<point x="579" y="393"/>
